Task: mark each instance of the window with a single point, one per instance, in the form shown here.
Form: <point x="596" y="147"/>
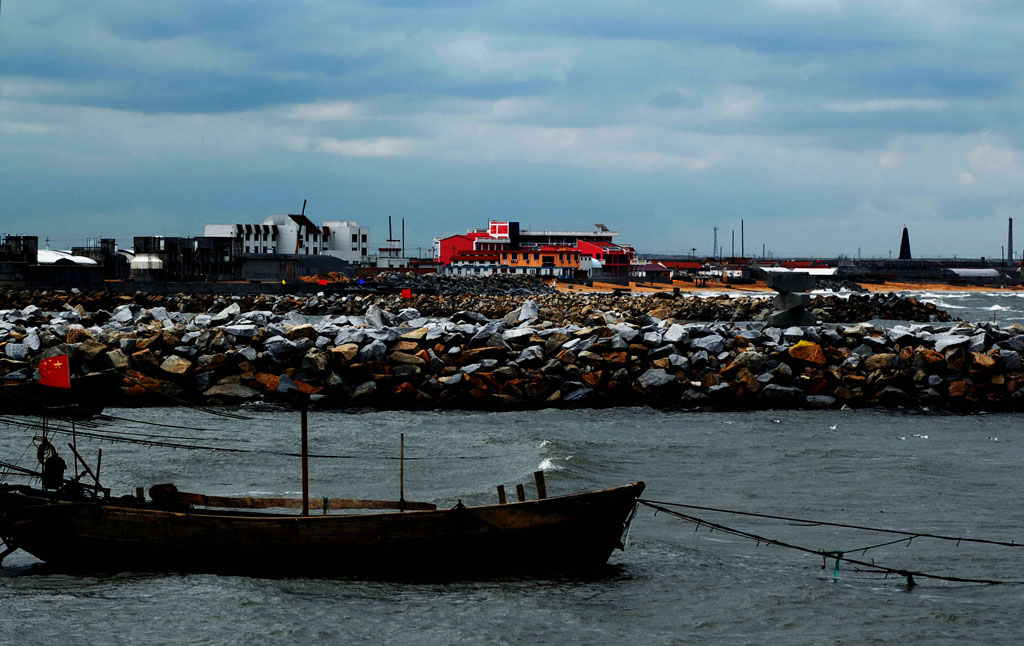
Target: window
<point x="364" y="238"/>
<point x="355" y="238"/>
<point x="364" y="251"/>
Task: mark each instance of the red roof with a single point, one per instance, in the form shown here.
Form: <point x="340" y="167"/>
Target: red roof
<point x="682" y="264"/>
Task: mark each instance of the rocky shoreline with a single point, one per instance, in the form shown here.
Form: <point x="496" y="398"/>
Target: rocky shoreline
<point x="515" y="352"/>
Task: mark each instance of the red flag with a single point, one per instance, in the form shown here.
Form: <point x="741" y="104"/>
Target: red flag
<point x="406" y="293"/>
<point x="321" y="282"/>
<point x="54" y="372"/>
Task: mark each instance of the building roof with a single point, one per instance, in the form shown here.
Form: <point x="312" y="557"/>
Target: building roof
<point x="51" y="257"/>
<point x="654" y="266"/>
<point x="681" y="264"/>
<point x="302" y="220"/>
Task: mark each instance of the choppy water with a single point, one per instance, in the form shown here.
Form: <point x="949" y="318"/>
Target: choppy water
<point x="673" y="585"/>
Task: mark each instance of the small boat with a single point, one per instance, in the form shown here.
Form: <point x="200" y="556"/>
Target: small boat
<point x="86" y="397"/>
<point x="184" y="533"/>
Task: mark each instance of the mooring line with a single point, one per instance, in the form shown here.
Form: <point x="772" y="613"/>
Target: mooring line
<point x="822" y="523"/>
<point x="909" y="575"/>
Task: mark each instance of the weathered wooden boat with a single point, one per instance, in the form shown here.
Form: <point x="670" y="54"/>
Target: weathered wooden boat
<point x="173" y="532"/>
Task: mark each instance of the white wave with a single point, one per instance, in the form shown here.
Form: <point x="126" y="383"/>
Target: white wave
<point x="547" y="465"/>
<point x="943" y="304"/>
<point x="994" y="308"/>
<point x="544" y="443"/>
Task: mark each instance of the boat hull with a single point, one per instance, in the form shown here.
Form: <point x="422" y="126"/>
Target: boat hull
<point x="563" y="534"/>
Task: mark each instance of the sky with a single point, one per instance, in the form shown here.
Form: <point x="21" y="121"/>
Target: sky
<point x="824" y="126"/>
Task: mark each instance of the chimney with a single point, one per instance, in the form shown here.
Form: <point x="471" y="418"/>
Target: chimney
<point x="1009" y="242"/>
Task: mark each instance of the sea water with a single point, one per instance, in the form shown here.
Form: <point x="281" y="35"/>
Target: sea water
<point x="676" y="583"/>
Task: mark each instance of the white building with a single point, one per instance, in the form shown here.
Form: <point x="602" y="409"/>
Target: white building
<point x="297" y="235"/>
<point x="347" y="240"/>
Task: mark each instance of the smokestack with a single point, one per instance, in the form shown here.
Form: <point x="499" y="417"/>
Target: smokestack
<point x="1009" y="242"/>
<point x="742" y="252"/>
<point x="403" y="237"/>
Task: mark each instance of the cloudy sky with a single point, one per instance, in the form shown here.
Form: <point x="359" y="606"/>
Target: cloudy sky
<point x="825" y="125"/>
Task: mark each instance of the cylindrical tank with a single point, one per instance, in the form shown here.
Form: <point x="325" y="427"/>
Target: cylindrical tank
<point x="147" y="267"/>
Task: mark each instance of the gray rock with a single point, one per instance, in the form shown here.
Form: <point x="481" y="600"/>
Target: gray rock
<point x="780" y="394"/>
<point x="579" y="395"/>
<point x="286" y="384"/>
<point x="528" y="311"/>
<point x="656" y="378"/>
<point x="674" y="334"/>
<point x="679" y="362"/>
<point x="375" y="351"/>
<point x="950" y="340"/>
<point x="242" y="331"/>
<point x="712" y="344"/>
<point x="1011" y="359"/>
<point x="821" y="401"/>
<point x="248" y="353"/>
<point x="16" y="351"/>
<point x="531" y="355"/>
<point x="279" y="346"/>
<point x="376" y="317"/>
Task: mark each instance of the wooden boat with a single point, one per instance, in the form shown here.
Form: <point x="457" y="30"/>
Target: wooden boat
<point x="572" y="533"/>
<point x="86" y="398"/>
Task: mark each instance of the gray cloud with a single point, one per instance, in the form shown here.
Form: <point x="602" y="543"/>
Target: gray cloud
<point x="824" y="125"/>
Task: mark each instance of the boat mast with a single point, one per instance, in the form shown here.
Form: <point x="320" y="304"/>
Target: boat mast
<point x="305" y="462"/>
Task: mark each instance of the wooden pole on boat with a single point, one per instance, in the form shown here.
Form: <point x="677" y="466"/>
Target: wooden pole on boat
<point x="78" y="457"/>
<point x="542" y="489"/>
<point x="520" y="492"/>
<point x="501" y="495"/>
<point x="401" y="474"/>
<point x="305" y="464"/>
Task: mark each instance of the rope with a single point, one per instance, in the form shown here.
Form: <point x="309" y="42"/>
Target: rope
<point x="822" y="523"/>
<point x="187" y="404"/>
<point x="837" y="555"/>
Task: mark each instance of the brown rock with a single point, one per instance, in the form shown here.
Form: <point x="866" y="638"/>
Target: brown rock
<point x="90" y="349"/>
<point x="930" y="361"/>
<point x="955" y="360"/>
<point x="118" y="359"/>
<point x="981" y="361"/>
<point x="879" y="361"/>
<point x="145" y="360"/>
<point x="305" y="331"/>
<point x="808" y="351"/>
<point x="415" y="335"/>
<point x="265" y="382"/>
<point x="405" y="358"/>
<point x="176" y="365"/>
<point x="77" y="335"/>
<point x="344" y="353"/>
<point x="406" y="346"/>
<point x="616" y="358"/>
<point x="958" y="388"/>
<point x="746" y="379"/>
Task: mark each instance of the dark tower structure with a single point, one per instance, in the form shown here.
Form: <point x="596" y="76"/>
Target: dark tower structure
<point x="905" y="245"/>
<point x="1009" y="242"/>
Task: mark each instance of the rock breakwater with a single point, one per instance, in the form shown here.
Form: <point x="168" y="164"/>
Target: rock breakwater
<point x="535" y="353"/>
